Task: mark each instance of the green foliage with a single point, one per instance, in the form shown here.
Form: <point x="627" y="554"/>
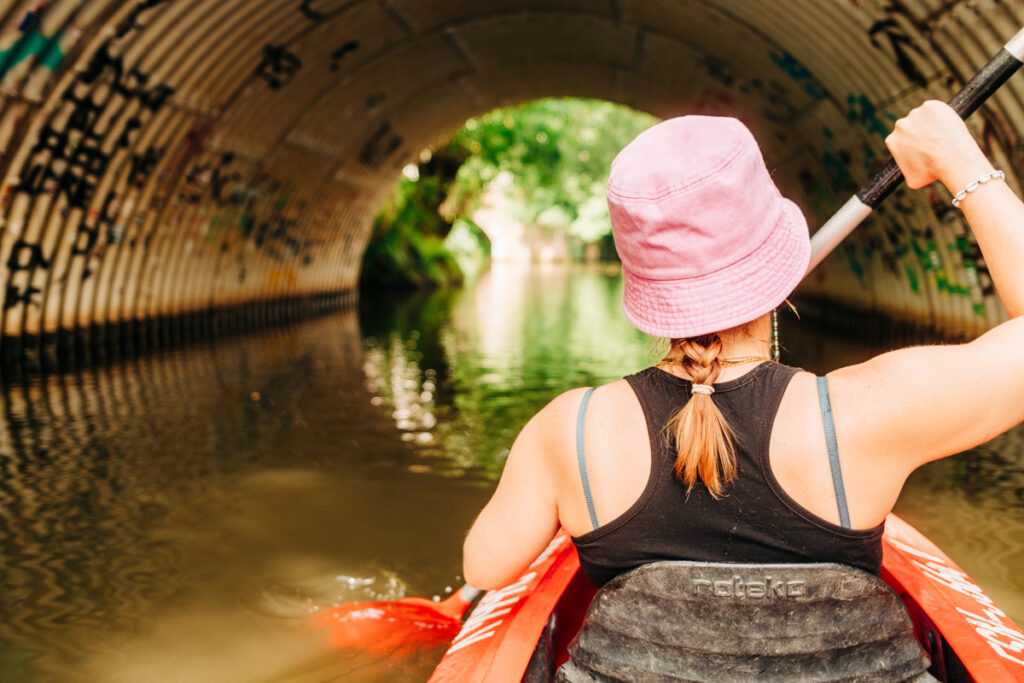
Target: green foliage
<point x="469" y="245"/>
<point x="557" y="153"/>
<point x="407" y="247"/>
<point x="400" y="257"/>
<point x="553" y="156"/>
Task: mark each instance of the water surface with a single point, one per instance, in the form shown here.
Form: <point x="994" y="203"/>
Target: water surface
<point x="180" y="517"/>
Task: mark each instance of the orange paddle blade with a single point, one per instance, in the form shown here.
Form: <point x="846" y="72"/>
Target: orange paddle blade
<point x="387" y="626"/>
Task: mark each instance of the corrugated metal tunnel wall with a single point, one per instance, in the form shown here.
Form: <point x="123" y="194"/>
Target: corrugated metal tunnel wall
<point x="168" y="157"/>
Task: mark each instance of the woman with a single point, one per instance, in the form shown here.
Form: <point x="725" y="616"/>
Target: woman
<point x="717" y="453"/>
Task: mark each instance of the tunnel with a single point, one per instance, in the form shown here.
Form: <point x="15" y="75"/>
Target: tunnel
<point x="168" y="163"/>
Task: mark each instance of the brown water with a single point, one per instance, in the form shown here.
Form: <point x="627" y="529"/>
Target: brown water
<point x="181" y="516"/>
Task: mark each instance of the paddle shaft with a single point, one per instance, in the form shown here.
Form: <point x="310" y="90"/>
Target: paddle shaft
<point x="981" y="86"/>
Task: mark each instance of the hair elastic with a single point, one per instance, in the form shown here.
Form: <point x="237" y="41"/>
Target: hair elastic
<point x="705" y="389"/>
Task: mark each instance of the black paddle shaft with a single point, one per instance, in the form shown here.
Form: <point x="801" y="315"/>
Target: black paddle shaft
<point x="970" y="97"/>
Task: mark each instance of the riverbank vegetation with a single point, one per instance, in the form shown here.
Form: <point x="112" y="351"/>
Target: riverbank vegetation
<point x="540" y="166"/>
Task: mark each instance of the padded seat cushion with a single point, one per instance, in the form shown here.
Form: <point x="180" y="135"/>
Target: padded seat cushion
<point x="696" y="621"/>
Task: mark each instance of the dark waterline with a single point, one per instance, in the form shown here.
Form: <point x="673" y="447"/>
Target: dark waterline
<point x="180" y="517"/>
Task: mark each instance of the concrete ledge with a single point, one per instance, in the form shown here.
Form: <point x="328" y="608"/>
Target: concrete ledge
<point x="98" y="345"/>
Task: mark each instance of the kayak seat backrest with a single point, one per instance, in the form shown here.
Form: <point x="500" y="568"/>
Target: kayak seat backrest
<point x="697" y="621"/>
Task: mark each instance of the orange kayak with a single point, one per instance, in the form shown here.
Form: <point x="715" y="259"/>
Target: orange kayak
<point x="964" y="633"/>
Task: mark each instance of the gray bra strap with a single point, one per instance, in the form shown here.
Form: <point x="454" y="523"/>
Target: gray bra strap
<point x="582" y="460"/>
<point x="833" y="452"/>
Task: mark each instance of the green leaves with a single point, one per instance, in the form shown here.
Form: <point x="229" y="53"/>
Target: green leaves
<point x="558" y="153"/>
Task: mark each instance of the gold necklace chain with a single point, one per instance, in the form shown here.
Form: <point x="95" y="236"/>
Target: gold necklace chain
<point x="725" y="362"/>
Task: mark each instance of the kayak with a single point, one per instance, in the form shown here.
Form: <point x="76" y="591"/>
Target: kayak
<point x="535" y="618"/>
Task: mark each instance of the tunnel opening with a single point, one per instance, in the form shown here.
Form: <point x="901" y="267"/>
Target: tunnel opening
<point x="523" y="183"/>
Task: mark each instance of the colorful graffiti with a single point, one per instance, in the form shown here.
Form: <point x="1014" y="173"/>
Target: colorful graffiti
<point x="799" y="73"/>
<point x="32" y="44"/>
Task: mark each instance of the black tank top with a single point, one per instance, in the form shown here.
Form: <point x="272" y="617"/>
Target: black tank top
<point x="756" y="521"/>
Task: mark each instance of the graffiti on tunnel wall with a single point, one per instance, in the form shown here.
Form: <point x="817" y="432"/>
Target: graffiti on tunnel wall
<point x="890" y="33"/>
<point x="70" y="156"/>
<point x="69" y="160"/>
<point x="115" y="183"/>
<point x="918" y="239"/>
<point x="31" y="44"/>
<point x="277" y="66"/>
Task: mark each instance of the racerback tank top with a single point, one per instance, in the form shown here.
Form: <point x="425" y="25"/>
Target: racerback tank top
<point x="756" y="521"/>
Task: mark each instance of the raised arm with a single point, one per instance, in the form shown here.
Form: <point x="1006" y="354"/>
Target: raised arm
<point x="907" y="407"/>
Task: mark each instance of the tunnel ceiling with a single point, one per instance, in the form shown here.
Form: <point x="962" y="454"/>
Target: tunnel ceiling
<point x="163" y="157"/>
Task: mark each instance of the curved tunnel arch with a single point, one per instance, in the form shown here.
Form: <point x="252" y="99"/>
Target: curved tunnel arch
<point x="164" y="158"/>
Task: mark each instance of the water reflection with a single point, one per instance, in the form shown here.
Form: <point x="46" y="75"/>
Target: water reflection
<point x="179" y="517"/>
<point x="464" y="372"/>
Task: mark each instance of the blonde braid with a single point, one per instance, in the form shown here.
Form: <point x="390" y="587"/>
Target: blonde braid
<point x="704" y="440"/>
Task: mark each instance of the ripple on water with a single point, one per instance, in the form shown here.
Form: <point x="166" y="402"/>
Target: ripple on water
<point x="309" y="590"/>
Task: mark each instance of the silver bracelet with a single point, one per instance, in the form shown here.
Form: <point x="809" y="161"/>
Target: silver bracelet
<point x="975" y="185"/>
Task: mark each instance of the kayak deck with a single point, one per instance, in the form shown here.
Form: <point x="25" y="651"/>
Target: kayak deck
<point x="524" y="629"/>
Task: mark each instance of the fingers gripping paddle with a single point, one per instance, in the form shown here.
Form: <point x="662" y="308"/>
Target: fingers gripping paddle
<point x="384" y="627"/>
<point x="881" y="185"/>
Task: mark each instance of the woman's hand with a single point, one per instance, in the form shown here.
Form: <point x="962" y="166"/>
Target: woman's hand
<point x="933" y="143"/>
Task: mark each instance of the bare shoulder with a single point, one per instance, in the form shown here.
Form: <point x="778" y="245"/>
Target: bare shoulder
<point x="565" y="408"/>
<point x="549" y="433"/>
<point x="553" y="428"/>
<point x="913" y="405"/>
<point x="559" y="417"/>
<point x="562" y="407"/>
<point x="551" y="425"/>
<point x="793" y="431"/>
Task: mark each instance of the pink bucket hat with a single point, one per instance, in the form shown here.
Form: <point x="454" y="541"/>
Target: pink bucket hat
<point x="706" y="240"/>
